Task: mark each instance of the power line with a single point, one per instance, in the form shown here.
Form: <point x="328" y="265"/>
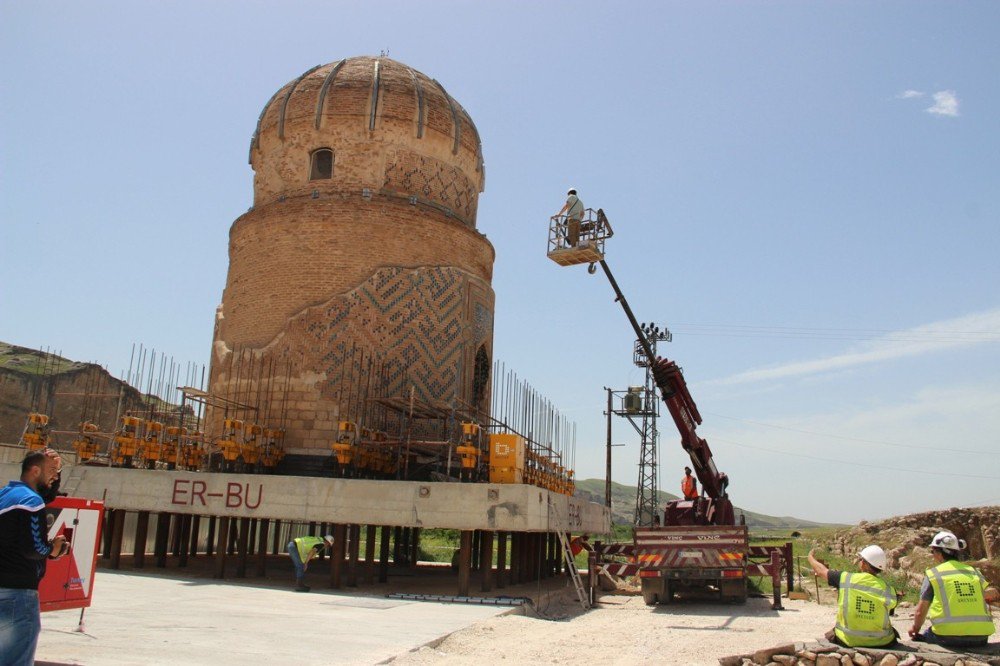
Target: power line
<point x="740" y="330"/>
<point x="855" y="463"/>
<point x="857" y="439"/>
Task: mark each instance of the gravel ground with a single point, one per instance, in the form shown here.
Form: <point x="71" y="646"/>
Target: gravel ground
<point x="623" y="630"/>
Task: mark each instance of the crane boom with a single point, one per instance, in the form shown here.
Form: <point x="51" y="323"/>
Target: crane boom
<point x="714" y="507"/>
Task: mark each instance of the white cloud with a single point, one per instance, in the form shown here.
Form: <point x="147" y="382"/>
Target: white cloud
<point x="973" y="329"/>
<point x="909" y="94"/>
<point x="945" y="104"/>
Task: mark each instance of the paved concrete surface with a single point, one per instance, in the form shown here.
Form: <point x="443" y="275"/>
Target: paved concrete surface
<point x="147" y="619"/>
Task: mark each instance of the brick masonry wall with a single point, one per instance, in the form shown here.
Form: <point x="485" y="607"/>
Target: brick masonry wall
<point x="319" y="271"/>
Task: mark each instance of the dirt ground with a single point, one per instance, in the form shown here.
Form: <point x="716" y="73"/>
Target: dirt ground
<point x="623" y="630"/>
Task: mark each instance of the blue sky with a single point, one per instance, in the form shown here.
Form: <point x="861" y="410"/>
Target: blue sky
<point x="806" y="194"/>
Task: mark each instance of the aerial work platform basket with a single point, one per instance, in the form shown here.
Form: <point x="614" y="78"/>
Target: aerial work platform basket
<point x="578" y="241"/>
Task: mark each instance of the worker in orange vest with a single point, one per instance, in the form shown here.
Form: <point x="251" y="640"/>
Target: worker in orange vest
<point x="689" y="486"/>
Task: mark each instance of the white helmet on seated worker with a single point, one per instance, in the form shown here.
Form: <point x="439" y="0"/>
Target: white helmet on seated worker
<point x="873" y="555"/>
<point x="572" y="190"/>
<point x="946" y="540"/>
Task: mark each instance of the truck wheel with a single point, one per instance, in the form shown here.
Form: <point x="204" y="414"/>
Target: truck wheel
<point x="651" y="598"/>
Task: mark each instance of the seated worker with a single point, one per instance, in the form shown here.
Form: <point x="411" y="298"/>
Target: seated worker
<point x="573" y="209"/>
<point x="864" y="601"/>
<point x="689" y="485"/>
<point x="956" y="596"/>
<point x="303" y="549"/>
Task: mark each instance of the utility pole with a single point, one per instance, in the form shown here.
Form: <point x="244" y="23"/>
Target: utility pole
<point x="607" y="478"/>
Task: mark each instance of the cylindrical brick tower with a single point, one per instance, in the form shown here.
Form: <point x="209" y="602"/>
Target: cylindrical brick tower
<point x="362" y="235"/>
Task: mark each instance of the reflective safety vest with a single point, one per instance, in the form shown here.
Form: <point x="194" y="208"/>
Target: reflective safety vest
<point x="959" y="606"/>
<point x="687" y="487"/>
<point x="305" y="546"/>
<point x="863" y="605"/>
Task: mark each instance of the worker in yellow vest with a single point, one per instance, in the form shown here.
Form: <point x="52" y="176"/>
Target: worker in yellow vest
<point x="955" y="598"/>
<point x="303" y="549"/>
<point x="864" y="601"/>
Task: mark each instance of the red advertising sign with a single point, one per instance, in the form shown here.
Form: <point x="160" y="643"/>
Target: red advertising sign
<point x="69" y="581"/>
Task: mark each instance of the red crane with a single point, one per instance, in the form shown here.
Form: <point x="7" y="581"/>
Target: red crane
<point x="713" y="507"/>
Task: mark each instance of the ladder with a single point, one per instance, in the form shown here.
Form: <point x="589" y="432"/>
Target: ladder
<point x="581" y="592"/>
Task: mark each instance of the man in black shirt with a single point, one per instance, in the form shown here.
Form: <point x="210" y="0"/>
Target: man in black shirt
<point x="24" y="547"/>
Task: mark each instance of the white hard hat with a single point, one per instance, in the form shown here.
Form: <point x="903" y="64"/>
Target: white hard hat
<point x="948" y="541"/>
<point x="329" y="539"/>
<point x="873" y="555"/>
<point x="572" y="190"/>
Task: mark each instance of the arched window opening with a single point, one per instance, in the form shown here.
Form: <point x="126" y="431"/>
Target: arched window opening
<point x="321" y="166"/>
<point x="480" y="376"/>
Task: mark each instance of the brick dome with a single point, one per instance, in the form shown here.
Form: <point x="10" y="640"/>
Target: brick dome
<point x="362" y="235"/>
<point x="379" y="118"/>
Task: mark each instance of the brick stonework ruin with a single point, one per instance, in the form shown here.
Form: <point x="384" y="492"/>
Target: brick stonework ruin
<point x="375" y="249"/>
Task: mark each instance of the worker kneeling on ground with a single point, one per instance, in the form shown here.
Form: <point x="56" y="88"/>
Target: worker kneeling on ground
<point x="303" y="549"/>
<point x="864" y="601"/>
<point x="956" y="596"/>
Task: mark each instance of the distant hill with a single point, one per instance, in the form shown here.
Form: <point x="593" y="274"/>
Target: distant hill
<point x="623" y="506"/>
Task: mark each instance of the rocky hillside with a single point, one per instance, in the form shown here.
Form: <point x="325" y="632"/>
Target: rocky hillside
<point x="69" y="392"/>
<point x="905" y="539"/>
<point x="623" y="506"/>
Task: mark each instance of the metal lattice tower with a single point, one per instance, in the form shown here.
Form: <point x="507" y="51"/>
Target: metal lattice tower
<point x="641" y="407"/>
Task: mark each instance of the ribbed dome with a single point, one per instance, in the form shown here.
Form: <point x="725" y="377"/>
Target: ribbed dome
<point x="376" y="115"/>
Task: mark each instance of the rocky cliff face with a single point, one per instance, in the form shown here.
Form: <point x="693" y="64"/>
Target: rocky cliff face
<point x="905" y="538"/>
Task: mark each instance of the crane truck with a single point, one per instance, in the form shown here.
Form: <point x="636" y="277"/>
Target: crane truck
<point x="697" y="545"/>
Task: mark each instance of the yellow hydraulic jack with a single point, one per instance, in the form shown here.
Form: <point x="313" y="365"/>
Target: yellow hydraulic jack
<point x="170" y="451"/>
<point x="273" y="450"/>
<point x="250" y="449"/>
<point x="191" y="453"/>
<point x="230" y="445"/>
<point x="126" y="442"/>
<point x="85" y="446"/>
<point x="468" y="451"/>
<point x="346" y="445"/>
<point x="151" y="446"/>
<point x="36" y="435"/>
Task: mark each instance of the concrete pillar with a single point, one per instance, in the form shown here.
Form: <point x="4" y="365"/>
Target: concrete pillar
<point x="109" y="522"/>
<point x="404" y="547"/>
<point x="118" y="526"/>
<point x="175" y="534"/>
<point x="397" y="537"/>
<point x="476" y="537"/>
<point x="221" y="546"/>
<point x="369" y="554"/>
<point x="162" y="539"/>
<point x="210" y="539"/>
<point x="354" y="545"/>
<point x="242" y="543"/>
<point x="265" y="524"/>
<point x="185" y="539"/>
<point x="252" y="541"/>
<point x="414" y="547"/>
<point x="276" y="540"/>
<point x="337" y="558"/>
<point x="383" y="555"/>
<point x="195" y="534"/>
<point x="514" y="564"/>
<point x="464" y="563"/>
<point x="141" y="532"/>
<point x="234" y="534"/>
<point x="486" y="560"/>
<point x="501" y="559"/>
